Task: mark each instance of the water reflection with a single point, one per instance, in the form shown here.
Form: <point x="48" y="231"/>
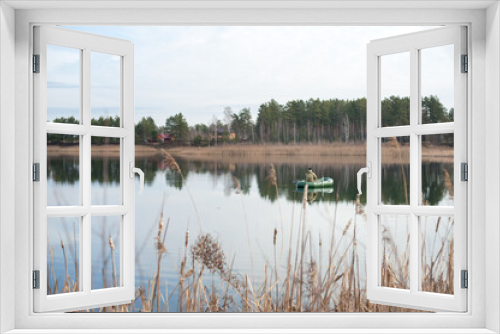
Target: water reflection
<point x="106" y="170"/>
<point x="437" y="183"/>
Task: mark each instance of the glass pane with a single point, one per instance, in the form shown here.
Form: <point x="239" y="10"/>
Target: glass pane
<point x="63" y="250"/>
<point x="437" y="169"/>
<point x="105" y="171"/>
<point x="437" y="254"/>
<point x="105" y="89"/>
<point x="63" y="169"/>
<point x="395" y="89"/>
<point x="395" y="251"/>
<point x="437" y="84"/>
<point x="395" y="170"/>
<point x="106" y="236"/>
<point x="63" y="84"/>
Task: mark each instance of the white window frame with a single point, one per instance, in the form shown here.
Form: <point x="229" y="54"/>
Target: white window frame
<point x="483" y="102"/>
<point x="85" y="298"/>
<point x="413" y="44"/>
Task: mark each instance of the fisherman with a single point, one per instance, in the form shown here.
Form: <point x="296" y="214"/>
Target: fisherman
<point x="310" y="176"/>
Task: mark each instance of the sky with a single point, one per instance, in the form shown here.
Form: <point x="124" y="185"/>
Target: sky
<point x="200" y="70"/>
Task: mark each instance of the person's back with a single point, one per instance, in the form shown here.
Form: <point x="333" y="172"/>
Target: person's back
<point x="310" y="176"/>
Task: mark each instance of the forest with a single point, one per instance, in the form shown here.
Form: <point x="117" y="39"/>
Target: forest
<point x="297" y="121"/>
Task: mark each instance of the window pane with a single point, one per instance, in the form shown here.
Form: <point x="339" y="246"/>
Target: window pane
<point x="437" y="254"/>
<point x="395" y="89"/>
<point x="105" y="89"/>
<point x="106" y="236"/>
<point x="63" y="250"/>
<point x="395" y="170"/>
<point x="437" y="169"/>
<point x="63" y="84"/>
<point x="105" y="171"/>
<point x="63" y="170"/>
<point x="395" y="251"/>
<point x="437" y="84"/>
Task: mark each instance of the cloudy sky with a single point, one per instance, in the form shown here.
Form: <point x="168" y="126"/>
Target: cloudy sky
<point x="200" y="70"/>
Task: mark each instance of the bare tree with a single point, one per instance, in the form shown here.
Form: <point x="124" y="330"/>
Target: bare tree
<point x="214" y="127"/>
<point x="345" y="128"/>
<point x="228" y="116"/>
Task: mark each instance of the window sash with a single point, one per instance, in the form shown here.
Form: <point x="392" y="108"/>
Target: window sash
<point x="413" y="43"/>
<point x="86" y="298"/>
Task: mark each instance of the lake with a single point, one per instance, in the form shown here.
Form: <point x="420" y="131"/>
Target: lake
<point x="236" y="203"/>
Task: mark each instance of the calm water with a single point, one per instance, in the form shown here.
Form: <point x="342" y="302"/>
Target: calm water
<point x="209" y="201"/>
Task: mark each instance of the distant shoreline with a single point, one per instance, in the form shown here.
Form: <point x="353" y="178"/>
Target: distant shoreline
<point x="349" y="153"/>
<point x="99" y="150"/>
<point x="321" y="153"/>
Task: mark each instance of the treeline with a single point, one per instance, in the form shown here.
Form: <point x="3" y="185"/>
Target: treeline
<point x="316" y="121"/>
<point x="297" y="121"/>
<point x="312" y="121"/>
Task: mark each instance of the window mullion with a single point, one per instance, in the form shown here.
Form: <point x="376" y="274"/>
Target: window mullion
<point x="108" y="210"/>
<point x="392" y="131"/>
<point x="66" y="211"/>
<point x="414" y="167"/>
<point x="86" y="179"/>
<point x="81" y="240"/>
<point x="66" y="129"/>
<point x="86" y="149"/>
<point x="106" y="131"/>
<point x="127" y="184"/>
<point x="433" y="129"/>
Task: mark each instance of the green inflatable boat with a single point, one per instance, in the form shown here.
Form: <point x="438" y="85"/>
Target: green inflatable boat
<point x="323" y="182"/>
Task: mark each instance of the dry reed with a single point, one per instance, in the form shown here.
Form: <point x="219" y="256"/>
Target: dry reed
<point x="305" y="287"/>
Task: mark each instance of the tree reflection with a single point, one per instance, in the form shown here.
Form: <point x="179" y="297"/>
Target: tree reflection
<point x="64" y="169"/>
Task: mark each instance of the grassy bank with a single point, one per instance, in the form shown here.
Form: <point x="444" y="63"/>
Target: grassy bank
<point x="322" y="153"/>
<point x="99" y="150"/>
<point x="310" y="150"/>
<point x="334" y="149"/>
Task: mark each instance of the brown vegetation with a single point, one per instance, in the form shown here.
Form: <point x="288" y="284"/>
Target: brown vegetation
<point x="277" y="152"/>
<point x="322" y="153"/>
<point x="99" y="150"/>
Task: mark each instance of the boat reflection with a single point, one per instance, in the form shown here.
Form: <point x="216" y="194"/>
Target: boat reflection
<point x="314" y="193"/>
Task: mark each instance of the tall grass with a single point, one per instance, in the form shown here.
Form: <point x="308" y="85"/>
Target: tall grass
<point x="207" y="282"/>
